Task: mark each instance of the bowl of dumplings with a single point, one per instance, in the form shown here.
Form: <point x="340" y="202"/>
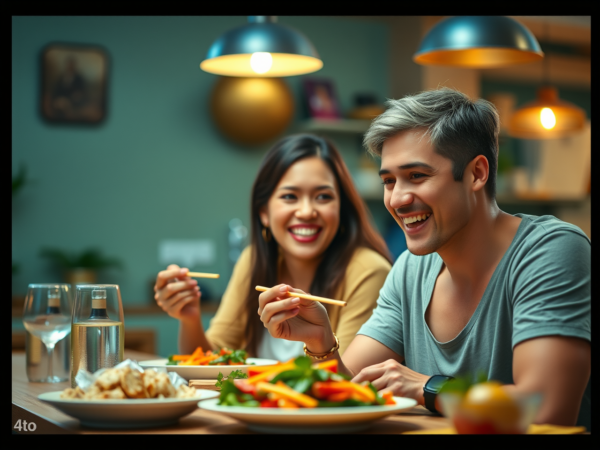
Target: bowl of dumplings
<point x="127" y="396"/>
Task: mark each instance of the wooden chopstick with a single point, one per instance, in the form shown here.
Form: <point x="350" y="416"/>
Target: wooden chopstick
<point x="309" y="297"/>
<point x="202" y="275"/>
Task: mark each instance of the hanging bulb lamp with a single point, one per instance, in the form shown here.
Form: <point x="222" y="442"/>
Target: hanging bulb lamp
<point x="547" y="117"/>
<point x="478" y="42"/>
<point x="261" y="48"/>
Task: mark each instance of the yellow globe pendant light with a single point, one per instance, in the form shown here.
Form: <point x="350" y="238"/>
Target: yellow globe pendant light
<point x="546" y="117"/>
<point x="478" y="42"/>
<point x="261" y="48"/>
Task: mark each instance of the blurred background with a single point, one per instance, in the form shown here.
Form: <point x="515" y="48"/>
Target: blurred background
<point x="126" y="156"/>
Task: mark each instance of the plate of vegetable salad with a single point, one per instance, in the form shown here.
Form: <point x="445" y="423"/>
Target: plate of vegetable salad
<point x="201" y="365"/>
<point x="299" y="396"/>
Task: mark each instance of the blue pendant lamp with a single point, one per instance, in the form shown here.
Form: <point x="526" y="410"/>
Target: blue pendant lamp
<point x="478" y="42"/>
<point x="261" y="48"/>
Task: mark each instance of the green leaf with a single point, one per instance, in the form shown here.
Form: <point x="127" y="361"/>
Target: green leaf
<point x="462" y="383"/>
<point x="250" y="403"/>
<point x="219" y="383"/>
<point x="245" y="397"/>
<point x="233" y="375"/>
<point x="238" y="356"/>
<point x="231" y="399"/>
<point x="303" y="384"/>
<point x="288" y="375"/>
<point x="303" y="362"/>
<point x="321" y="375"/>
<point x="220" y="359"/>
<point x="227" y="388"/>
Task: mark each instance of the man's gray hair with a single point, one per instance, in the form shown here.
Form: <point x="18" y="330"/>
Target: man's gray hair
<point x="457" y="127"/>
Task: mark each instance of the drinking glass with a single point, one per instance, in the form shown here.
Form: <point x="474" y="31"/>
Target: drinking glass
<point x="97" y="336"/>
<point x="47" y="315"/>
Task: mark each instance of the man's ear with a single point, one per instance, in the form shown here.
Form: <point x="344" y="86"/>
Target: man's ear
<point x="264" y="216"/>
<point x="479" y="171"/>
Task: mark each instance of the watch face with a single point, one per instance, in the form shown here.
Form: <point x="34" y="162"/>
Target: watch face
<point x="436" y="382"/>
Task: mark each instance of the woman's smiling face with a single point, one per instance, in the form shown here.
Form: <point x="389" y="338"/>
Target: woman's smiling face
<point x="303" y="212"/>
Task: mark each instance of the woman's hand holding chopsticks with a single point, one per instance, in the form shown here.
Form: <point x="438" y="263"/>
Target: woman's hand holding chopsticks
<point x="177" y="294"/>
<point x="295" y="319"/>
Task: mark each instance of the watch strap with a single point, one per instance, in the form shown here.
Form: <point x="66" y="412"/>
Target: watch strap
<point x="430" y="394"/>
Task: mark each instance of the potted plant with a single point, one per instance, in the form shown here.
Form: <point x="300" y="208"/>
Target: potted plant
<point x="82" y="267"/>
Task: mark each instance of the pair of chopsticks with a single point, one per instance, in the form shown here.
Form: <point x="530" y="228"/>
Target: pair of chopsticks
<point x="308" y="297"/>
<point x="202" y="275"/>
<point x="262" y="288"/>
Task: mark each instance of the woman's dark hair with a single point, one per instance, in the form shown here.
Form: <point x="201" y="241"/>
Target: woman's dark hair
<point x="355" y="230"/>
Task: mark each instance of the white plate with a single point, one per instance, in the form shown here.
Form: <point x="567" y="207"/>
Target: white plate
<point x="205" y="372"/>
<point x="128" y="413"/>
<point x="309" y="420"/>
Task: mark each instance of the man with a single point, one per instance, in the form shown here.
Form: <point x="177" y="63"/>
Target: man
<point x="478" y="290"/>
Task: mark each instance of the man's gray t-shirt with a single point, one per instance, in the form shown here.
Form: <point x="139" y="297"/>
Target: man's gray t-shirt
<point x="541" y="287"/>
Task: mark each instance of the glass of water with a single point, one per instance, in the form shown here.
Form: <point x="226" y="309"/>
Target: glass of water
<point x="47" y="315"/>
<point x="97" y="336"/>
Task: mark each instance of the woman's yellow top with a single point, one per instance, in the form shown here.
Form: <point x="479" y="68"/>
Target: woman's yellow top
<point x="365" y="275"/>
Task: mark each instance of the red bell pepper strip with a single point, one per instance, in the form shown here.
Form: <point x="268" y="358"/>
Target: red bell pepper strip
<point x="243" y="385"/>
<point x="323" y="389"/>
<point x="331" y="365"/>
<point x="267" y="403"/>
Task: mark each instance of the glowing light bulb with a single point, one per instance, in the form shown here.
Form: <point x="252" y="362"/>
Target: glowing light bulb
<point x="261" y="62"/>
<point x="547" y="118"/>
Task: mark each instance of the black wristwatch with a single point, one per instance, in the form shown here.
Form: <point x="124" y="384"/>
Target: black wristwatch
<point x="431" y="389"/>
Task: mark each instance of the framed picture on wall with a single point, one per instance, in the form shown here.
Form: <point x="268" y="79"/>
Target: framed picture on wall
<point x="321" y="98"/>
<point x="74" y="79"/>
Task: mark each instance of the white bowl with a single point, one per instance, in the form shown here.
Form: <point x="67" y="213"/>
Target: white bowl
<point x="127" y="413"/>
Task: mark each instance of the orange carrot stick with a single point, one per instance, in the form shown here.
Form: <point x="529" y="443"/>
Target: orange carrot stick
<point x="205" y="360"/>
<point x="330" y="365"/>
<point x="288" y="393"/>
<point x="197" y="353"/>
<point x="268" y="374"/>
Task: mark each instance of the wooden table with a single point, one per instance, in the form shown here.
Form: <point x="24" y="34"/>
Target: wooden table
<point x="48" y="420"/>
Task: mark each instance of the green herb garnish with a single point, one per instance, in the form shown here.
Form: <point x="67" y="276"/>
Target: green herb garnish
<point x="461" y="384"/>
<point x="235" y="374"/>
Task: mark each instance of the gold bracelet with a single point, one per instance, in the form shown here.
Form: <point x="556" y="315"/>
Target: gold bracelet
<point x="325" y="355"/>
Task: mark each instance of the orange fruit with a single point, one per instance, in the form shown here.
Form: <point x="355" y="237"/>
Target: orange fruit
<point x="490" y="405"/>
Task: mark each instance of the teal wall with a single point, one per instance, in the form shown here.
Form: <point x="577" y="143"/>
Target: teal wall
<point x="156" y="168"/>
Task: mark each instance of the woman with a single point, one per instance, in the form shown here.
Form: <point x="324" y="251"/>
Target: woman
<point x="311" y="230"/>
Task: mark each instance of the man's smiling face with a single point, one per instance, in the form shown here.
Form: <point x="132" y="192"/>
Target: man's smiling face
<point x="421" y="193"/>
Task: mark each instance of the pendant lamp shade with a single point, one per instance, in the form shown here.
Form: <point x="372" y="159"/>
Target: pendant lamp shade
<point x="478" y="42"/>
<point x="547" y="117"/>
<point x="261" y="48"/>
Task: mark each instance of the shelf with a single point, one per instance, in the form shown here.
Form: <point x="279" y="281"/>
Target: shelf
<point x="350" y="126"/>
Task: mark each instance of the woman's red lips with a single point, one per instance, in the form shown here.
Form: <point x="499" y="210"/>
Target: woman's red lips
<point x="305" y="233"/>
